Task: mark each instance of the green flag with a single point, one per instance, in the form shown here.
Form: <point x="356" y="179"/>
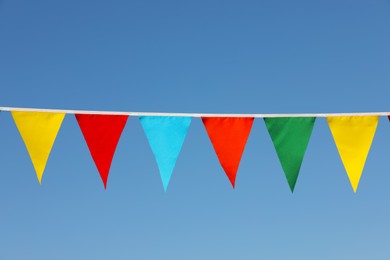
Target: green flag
<point x="290" y="136"/>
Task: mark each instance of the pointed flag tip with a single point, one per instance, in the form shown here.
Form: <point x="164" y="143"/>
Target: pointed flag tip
<point x="165" y="184"/>
<point x="105" y="181"/>
<point x="232" y="182"/>
<point x="39" y="178"/>
<point x="292" y="185"/>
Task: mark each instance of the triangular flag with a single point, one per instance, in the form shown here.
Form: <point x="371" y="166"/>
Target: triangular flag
<point x="228" y="136"/>
<point x="102" y="133"/>
<point x="38" y="131"/>
<point x="166" y="135"/>
<point x="353" y="136"/>
<point x="290" y="136"/>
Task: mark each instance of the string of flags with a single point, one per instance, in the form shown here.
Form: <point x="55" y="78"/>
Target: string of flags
<point x="353" y="134"/>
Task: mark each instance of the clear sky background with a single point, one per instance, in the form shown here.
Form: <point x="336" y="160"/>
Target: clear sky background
<point x="194" y="56"/>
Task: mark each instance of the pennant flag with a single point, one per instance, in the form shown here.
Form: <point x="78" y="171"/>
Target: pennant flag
<point x="102" y="133"/>
<point x="38" y="131"/>
<point x="353" y="136"/>
<point x="228" y="136"/>
<point x="290" y="136"/>
<point x="166" y="135"/>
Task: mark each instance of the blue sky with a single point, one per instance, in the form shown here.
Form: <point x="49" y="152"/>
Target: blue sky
<point x="194" y="56"/>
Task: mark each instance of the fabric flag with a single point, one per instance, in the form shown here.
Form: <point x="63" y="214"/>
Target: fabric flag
<point x="228" y="136"/>
<point x="353" y="136"/>
<point x="166" y="135"/>
<point x="102" y="134"/>
<point x="290" y="136"/>
<point x="38" y="131"/>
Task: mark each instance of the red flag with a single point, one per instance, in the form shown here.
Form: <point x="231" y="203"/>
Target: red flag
<point x="228" y="136"/>
<point x="102" y="133"/>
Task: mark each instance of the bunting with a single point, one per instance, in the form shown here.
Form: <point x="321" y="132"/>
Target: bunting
<point x="353" y="136"/>
<point x="228" y="136"/>
<point x="102" y="133"/>
<point x="38" y="131"/>
<point x="290" y="136"/>
<point x="166" y="137"/>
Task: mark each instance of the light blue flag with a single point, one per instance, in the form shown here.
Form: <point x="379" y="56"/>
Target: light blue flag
<point x="166" y="135"/>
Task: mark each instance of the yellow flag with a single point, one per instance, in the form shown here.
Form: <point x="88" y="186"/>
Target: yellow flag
<point x="353" y="136"/>
<point x="39" y="131"/>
